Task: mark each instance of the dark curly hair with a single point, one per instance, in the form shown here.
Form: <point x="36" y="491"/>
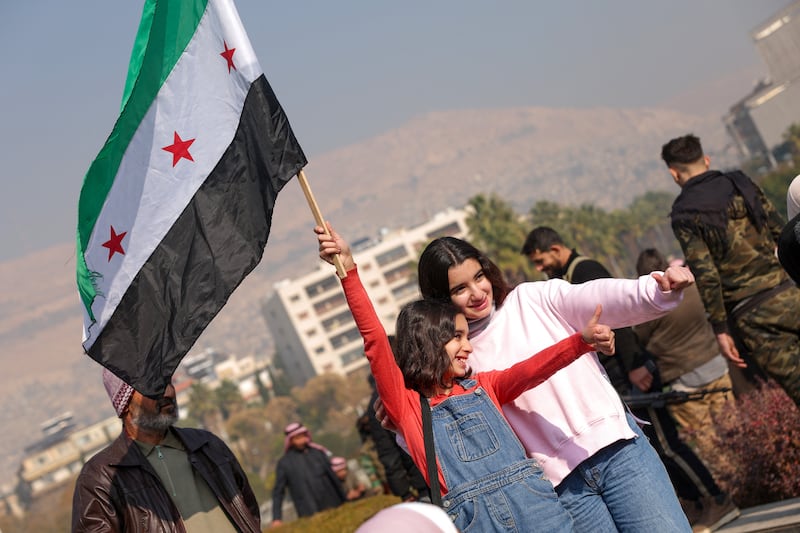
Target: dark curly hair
<point x="423" y="329"/>
<point x="447" y="252"/>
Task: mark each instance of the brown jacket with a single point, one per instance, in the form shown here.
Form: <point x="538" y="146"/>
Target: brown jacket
<point x="682" y="340"/>
<point x="118" y="490"/>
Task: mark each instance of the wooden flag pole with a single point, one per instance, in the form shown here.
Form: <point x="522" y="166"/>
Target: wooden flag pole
<point x="312" y="203"/>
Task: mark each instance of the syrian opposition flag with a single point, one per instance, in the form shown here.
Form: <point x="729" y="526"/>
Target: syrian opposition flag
<point x="176" y="209"/>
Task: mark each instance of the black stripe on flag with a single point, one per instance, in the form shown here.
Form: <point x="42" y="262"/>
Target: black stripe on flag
<point x="217" y="240"/>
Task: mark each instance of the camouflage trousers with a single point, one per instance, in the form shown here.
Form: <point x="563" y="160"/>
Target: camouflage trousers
<point x="771" y="333"/>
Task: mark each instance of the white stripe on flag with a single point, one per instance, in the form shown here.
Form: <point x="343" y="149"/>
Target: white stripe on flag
<point x="199" y="100"/>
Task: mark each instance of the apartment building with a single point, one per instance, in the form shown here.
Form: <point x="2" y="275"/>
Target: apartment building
<point x="309" y="319"/>
<point x="61" y="454"/>
<point x="758" y="121"/>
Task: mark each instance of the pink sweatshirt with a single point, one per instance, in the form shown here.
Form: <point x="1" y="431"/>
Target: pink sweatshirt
<point x="576" y="412"/>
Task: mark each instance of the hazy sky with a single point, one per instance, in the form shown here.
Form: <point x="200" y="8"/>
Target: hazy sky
<point x="345" y="71"/>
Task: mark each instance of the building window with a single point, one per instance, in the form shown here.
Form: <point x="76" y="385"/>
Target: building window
<point x="337" y="341"/>
<point x="351" y="355"/>
<point x="391" y="255"/>
<point x="302" y="315"/>
<point x="383" y="300"/>
<point x="445" y="231"/>
<point x="396" y="273"/>
<point x="327" y="304"/>
<point x="294" y="297"/>
<point x="337" y="320"/>
<point x="322" y="286"/>
<point x="311" y="332"/>
<point x="405" y="289"/>
<point x="319" y="350"/>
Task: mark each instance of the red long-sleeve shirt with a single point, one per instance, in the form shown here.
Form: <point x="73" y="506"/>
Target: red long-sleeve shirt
<point x="402" y="405"/>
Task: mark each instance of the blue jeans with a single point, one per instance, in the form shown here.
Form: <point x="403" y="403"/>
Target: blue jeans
<point x="623" y="487"/>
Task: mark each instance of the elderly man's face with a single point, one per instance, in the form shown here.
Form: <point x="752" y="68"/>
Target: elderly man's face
<point x="154" y="414"/>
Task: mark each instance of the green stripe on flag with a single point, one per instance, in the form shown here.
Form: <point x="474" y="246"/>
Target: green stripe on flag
<point x="164" y="32"/>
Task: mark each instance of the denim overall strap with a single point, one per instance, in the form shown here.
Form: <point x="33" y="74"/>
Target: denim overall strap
<point x="492" y="485"/>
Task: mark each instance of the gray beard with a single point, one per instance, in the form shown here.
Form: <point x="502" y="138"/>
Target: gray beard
<point x="159" y="422"/>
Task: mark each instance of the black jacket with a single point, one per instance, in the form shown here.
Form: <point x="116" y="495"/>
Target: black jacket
<point x="118" y="490"/>
<point x="312" y="484"/>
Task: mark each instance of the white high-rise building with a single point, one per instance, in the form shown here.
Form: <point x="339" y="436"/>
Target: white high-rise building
<point x="308" y="316"/>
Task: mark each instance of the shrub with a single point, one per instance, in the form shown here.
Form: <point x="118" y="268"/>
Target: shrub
<point x="346" y="517"/>
<point x="755" y="447"/>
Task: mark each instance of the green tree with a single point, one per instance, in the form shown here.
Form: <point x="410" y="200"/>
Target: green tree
<point x="278" y="375"/>
<point x="614" y="238"/>
<point x="646" y="224"/>
<point x="263" y="391"/>
<point x="229" y="399"/>
<point x="497" y="230"/>
<point x="326" y="398"/>
<point x="251" y="438"/>
<point x="280" y="411"/>
<point x="776" y="183"/>
<point x="792" y="137"/>
<point x="203" y="406"/>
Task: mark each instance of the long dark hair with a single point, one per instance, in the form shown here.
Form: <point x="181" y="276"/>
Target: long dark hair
<point x="447" y="252"/>
<point x="423" y="328"/>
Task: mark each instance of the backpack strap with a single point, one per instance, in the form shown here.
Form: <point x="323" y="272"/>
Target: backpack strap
<point x="430" y="451"/>
<point x="571" y="268"/>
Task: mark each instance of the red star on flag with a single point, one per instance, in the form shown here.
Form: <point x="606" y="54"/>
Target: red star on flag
<point x="179" y="149"/>
<point x="114" y="244"/>
<point x="228" y="55"/>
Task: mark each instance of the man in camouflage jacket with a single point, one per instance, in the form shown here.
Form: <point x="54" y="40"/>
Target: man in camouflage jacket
<point x="728" y="231"/>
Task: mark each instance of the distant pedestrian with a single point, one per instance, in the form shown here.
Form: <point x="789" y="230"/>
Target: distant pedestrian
<point x="369" y="461"/>
<point x="402" y="475"/>
<point x="353" y="487"/>
<point x="305" y="470"/>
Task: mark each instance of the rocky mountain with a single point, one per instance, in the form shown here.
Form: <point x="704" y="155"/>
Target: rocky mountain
<point x="604" y="157"/>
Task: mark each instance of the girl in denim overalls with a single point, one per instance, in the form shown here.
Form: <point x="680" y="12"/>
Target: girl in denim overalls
<point x="488" y="483"/>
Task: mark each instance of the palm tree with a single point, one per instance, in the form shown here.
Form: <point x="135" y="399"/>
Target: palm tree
<point x="498" y="230"/>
